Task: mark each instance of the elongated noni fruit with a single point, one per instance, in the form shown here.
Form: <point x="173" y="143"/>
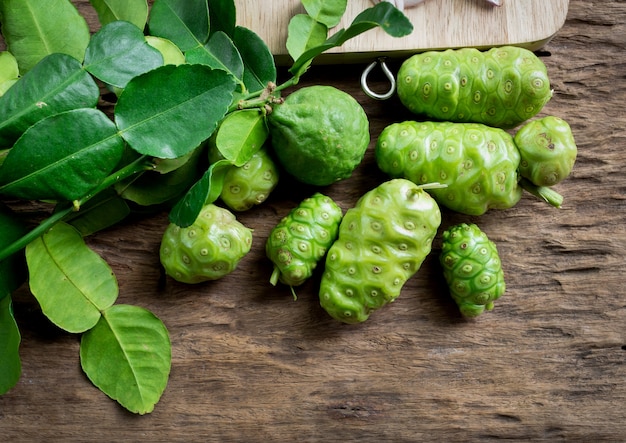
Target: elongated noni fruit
<point x="501" y="87"/>
<point x="478" y="163"/>
<point x="472" y="269"/>
<point x="300" y="240"/>
<point x="382" y="242"/>
<point x="209" y="249"/>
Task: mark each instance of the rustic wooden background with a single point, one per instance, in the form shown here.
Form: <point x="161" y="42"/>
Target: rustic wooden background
<point x="251" y="364"/>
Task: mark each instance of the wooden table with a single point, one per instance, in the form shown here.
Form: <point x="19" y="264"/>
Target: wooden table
<point x="251" y="364"/>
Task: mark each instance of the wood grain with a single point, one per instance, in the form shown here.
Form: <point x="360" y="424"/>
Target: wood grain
<point x="437" y="24"/>
<point x="250" y="364"/>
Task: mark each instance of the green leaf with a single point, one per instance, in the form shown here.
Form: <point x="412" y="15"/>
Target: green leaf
<point x="383" y="15"/>
<point x="170" y="122"/>
<point x="327" y="12"/>
<point x="259" y="67"/>
<point x="223" y="16"/>
<point x="34" y="29"/>
<point x="303" y="34"/>
<point x="205" y="191"/>
<point x="58" y="83"/>
<point x="8" y="67"/>
<point x="118" y="52"/>
<point x="62" y="157"/>
<point x="240" y="135"/>
<point x="184" y="22"/>
<point x="103" y="211"/>
<point x="71" y="282"/>
<point x="10" y="364"/>
<point x="13" y="268"/>
<point x="153" y="187"/>
<point x="219" y="53"/>
<point x="134" y="11"/>
<point x="127" y="355"/>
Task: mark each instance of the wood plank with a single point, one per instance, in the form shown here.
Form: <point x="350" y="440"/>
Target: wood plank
<point x="437" y="24"/>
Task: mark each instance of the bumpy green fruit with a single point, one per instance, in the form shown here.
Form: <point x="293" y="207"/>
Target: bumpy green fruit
<point x="250" y="184"/>
<point x="300" y="240"/>
<point x="501" y="87"/>
<point x="472" y="269"/>
<point x="478" y="163"/>
<point x="319" y="134"/>
<point x="548" y="150"/>
<point x="382" y="242"/>
<point x="209" y="249"/>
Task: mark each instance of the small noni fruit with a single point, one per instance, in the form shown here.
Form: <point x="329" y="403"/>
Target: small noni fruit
<point x="300" y="240"/>
<point x="249" y="184"/>
<point x="547" y="149"/>
<point x="501" y="87"/>
<point x="478" y="163"/>
<point x="471" y="268"/>
<point x="382" y="242"/>
<point x="209" y="249"/>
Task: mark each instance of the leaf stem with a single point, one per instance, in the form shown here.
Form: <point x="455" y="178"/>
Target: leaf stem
<point x="141" y="164"/>
<point x="263" y="97"/>
<point x="545" y="193"/>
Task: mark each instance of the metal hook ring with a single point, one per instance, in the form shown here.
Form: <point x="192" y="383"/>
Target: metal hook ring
<point x="388" y="74"/>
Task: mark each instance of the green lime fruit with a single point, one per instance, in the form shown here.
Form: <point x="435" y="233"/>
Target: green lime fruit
<point x="319" y="134"/>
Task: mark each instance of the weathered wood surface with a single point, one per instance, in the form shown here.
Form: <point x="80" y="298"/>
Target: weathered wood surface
<point x="251" y="364"/>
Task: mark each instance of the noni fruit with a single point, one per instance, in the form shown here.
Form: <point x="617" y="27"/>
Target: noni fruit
<point x="320" y="134"/>
<point x="382" y="242"/>
<point x="209" y="249"/>
<point x="249" y="184"/>
<point x="300" y="240"/>
<point x="547" y="149"/>
<point x="478" y="163"/>
<point x="471" y="268"/>
<point x="501" y="87"/>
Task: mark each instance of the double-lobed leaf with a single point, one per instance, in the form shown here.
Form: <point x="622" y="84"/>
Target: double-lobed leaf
<point x="184" y="22"/>
<point x="304" y="33"/>
<point x="218" y="53"/>
<point x="71" y="283"/>
<point x="171" y="122"/>
<point x="118" y="52"/>
<point x="56" y="84"/>
<point x="34" y="29"/>
<point x="127" y="355"/>
<point x="259" y="66"/>
<point x="133" y="11"/>
<point x="62" y="157"/>
<point x="327" y="12"/>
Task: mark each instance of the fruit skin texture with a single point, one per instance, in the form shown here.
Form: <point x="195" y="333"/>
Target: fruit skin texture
<point x="477" y="163"/>
<point x="209" y="249"/>
<point x="382" y="242"/>
<point x="250" y="184"/>
<point x="319" y="134"/>
<point x="300" y="240"/>
<point x="472" y="269"/>
<point x="548" y="150"/>
<point x="501" y="87"/>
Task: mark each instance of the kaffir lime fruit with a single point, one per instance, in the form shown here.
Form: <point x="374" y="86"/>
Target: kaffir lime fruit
<point x="319" y="134"/>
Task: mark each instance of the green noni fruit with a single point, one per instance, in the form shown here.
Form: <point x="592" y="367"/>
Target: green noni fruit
<point x="501" y="87"/>
<point x="547" y="149"/>
<point x="382" y="242"/>
<point x="472" y="269"/>
<point x="249" y="184"/>
<point x="300" y="240"/>
<point x="319" y="134"/>
<point x="478" y="163"/>
<point x="209" y="249"/>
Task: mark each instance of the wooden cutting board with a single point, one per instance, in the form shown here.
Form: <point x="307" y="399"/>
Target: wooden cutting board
<point x="438" y="24"/>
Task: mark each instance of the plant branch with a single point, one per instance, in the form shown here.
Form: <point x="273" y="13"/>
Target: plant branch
<point x="141" y="164"/>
